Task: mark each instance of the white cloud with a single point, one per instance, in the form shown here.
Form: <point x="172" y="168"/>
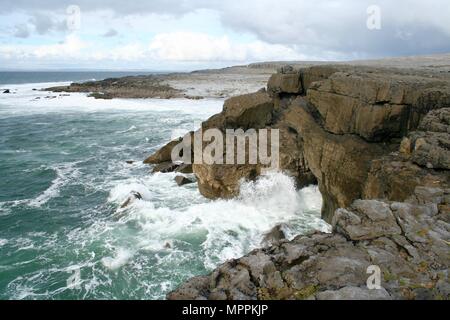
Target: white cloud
<point x="193" y="46"/>
<point x="175" y="47"/>
<point x="71" y="47"/>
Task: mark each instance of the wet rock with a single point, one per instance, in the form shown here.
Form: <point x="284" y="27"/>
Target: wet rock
<point x="184" y="168"/>
<point x="193" y="290"/>
<point x="164" y="154"/>
<point x="165" y="167"/>
<point x="168" y="245"/>
<point x="134" y="195"/>
<point x="181" y="180"/>
<point x="130" y="162"/>
<point x="275" y="235"/>
<point x="7" y="91"/>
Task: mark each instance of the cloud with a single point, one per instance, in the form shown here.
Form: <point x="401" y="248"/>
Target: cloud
<point x="70" y="47"/>
<point x="171" y="47"/>
<point x="21" y="31"/>
<point x="42" y="23"/>
<point x="249" y="29"/>
<point x="110" y="33"/>
<point x="191" y="46"/>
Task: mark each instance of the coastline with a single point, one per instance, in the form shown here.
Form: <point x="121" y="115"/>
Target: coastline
<point x="407" y="193"/>
<point x="378" y="189"/>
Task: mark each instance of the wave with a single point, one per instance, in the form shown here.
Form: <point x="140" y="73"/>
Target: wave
<point x="28" y="99"/>
<point x="64" y="173"/>
<point x="130" y="129"/>
<point x="226" y="229"/>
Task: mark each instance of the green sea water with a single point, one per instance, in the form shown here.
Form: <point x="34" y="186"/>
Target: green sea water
<point x="64" y="175"/>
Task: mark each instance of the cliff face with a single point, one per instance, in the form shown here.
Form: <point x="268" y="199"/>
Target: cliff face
<point x="343" y="127"/>
<point x="360" y="133"/>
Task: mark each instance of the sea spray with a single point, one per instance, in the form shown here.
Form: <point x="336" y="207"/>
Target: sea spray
<point x="62" y="190"/>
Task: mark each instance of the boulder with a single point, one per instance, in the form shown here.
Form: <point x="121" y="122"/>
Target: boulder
<point x="250" y="111"/>
<point x="134" y="195"/>
<point x="164" y="154"/>
<point x="222" y="181"/>
<point x="7" y="91"/>
<point x="182" y="180"/>
<point x="165" y="167"/>
<point x="275" y="235"/>
<point x="369" y="219"/>
<point x="184" y="168"/>
<point x="285" y="83"/>
<point x="430" y="144"/>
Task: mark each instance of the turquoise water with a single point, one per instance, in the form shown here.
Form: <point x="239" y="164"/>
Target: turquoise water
<point x="64" y="176"/>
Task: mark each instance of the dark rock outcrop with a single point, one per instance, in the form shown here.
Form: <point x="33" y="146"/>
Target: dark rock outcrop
<point x="408" y="241"/>
<point x="182" y="180"/>
<point x="275" y="235"/>
<point x="126" y="87"/>
<point x="134" y="195"/>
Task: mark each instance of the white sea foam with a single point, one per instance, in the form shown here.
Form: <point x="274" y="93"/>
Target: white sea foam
<point x="64" y="173"/>
<point x="121" y="258"/>
<point x="3" y="242"/>
<point x="173" y="233"/>
<point x="132" y="128"/>
<point x="27" y="101"/>
<point x="232" y="227"/>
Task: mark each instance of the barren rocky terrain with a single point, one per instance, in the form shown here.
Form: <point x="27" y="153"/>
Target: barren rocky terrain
<point x="374" y="136"/>
<point x="376" y="140"/>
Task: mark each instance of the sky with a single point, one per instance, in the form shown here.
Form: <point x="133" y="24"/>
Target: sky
<point x="169" y="35"/>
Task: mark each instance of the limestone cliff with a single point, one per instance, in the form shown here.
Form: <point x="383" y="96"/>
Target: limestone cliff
<point x="375" y="141"/>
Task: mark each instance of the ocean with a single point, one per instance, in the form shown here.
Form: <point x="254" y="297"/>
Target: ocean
<point x="64" y="175"/>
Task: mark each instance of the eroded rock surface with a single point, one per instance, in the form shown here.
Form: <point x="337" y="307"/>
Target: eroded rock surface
<point x="341" y="127"/>
<point x="377" y="142"/>
<point x="408" y="241"/>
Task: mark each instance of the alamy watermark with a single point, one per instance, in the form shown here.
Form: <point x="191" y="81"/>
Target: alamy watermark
<point x="234" y="147"/>
<point x="73" y="21"/>
<point x="374" y="280"/>
<point x="374" y="17"/>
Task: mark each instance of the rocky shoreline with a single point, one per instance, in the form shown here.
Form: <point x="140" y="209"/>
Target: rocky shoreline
<point x="377" y="143"/>
<point x="212" y="84"/>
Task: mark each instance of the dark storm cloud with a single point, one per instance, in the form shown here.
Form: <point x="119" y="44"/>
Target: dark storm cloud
<point x="312" y="27"/>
